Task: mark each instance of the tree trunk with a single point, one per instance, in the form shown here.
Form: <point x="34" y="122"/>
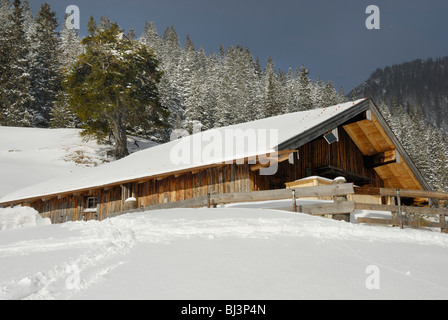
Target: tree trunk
<point x="119" y="129"/>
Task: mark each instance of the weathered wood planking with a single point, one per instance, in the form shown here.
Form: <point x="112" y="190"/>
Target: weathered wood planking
<point x="319" y="209"/>
<point x="318" y="153"/>
<point x="390" y="192"/>
<point x="395" y="222"/>
<point x="328" y="190"/>
<point x="404" y="209"/>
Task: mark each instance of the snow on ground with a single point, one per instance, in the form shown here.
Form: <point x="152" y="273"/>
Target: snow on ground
<point x="32" y="155"/>
<point x="20" y="217"/>
<point x="222" y="253"/>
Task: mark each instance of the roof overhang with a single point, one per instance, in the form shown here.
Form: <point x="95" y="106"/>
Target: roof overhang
<point x="370" y="132"/>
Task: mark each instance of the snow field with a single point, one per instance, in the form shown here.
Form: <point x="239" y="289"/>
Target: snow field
<point x="222" y="253"/>
<point x="32" y="155"/>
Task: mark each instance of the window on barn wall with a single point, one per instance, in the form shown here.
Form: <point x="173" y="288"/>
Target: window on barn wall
<point x="92" y="204"/>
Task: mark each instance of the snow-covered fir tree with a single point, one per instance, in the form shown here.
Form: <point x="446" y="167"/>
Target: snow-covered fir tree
<point x="329" y="95"/>
<point x="305" y="101"/>
<point x="45" y="65"/>
<point x="15" y="97"/>
<point x="69" y="46"/>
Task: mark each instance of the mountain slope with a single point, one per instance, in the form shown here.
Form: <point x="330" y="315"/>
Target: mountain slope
<point x="418" y="82"/>
<point x="32" y="155"/>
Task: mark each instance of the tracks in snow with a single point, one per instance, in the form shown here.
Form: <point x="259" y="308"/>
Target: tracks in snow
<point x="103" y="242"/>
<point x="101" y="247"/>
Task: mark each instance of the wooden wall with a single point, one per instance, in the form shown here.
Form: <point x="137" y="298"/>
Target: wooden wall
<point x="222" y="179"/>
<point x="344" y="155"/>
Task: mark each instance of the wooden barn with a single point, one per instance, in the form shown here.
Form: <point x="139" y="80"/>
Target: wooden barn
<point x="350" y="140"/>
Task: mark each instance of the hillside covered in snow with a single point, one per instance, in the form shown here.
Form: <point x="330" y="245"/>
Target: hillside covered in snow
<point x="32" y="155"/>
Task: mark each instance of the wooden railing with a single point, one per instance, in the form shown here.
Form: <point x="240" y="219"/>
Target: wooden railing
<point x="338" y="191"/>
<point x="340" y="208"/>
<point x="433" y="215"/>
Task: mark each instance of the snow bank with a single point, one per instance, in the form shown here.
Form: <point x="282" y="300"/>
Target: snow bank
<point x="20" y="217"/>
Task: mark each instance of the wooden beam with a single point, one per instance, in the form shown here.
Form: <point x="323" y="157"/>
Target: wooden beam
<point x="333" y="172"/>
<point x="390" y="192"/>
<point x="360" y="139"/>
<point x="380" y="159"/>
<point x="395" y="222"/>
<point x="272" y="160"/>
<point x="320" y="209"/>
<point x="318" y="191"/>
<point x="383" y="133"/>
<point x="405" y="209"/>
<point x="388" y="131"/>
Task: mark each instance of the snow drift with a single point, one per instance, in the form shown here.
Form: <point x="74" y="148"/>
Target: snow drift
<point x="20" y="217"/>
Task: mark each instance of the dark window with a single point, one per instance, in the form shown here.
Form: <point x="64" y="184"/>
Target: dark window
<point x="92" y="203"/>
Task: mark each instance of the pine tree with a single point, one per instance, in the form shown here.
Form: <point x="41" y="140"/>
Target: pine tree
<point x="317" y="93"/>
<point x="170" y="86"/>
<point x="29" y="25"/>
<point x="61" y="115"/>
<point x="329" y="95"/>
<point x="187" y="71"/>
<point x="45" y="65"/>
<point x="354" y="95"/>
<point x="69" y="46"/>
<point x="224" y="104"/>
<point x="271" y="88"/>
<point x="341" y="96"/>
<point x="251" y="88"/>
<point x="5" y="22"/>
<point x="211" y="91"/>
<point x="304" y="90"/>
<point x="15" y="98"/>
<point x="113" y="86"/>
<point x="194" y="111"/>
<point x="151" y="38"/>
<point x="291" y="92"/>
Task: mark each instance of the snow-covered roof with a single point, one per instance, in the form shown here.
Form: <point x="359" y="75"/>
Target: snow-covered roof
<point x="158" y="160"/>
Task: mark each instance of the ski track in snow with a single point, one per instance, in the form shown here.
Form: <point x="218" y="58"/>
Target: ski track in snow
<point x="104" y="240"/>
<point x="106" y="244"/>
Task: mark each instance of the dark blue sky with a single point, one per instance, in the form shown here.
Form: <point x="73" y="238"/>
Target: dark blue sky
<point x="329" y="37"/>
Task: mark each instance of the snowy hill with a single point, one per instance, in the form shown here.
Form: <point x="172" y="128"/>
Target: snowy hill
<point x="31" y="155"/>
<point x="224" y="253"/>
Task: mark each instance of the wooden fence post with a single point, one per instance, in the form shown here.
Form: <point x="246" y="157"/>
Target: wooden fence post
<point x="208" y="200"/>
<point x="294" y="202"/>
<point x="340" y="199"/>
<point x="442" y="218"/>
<point x="399" y="208"/>
<point x="442" y="222"/>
